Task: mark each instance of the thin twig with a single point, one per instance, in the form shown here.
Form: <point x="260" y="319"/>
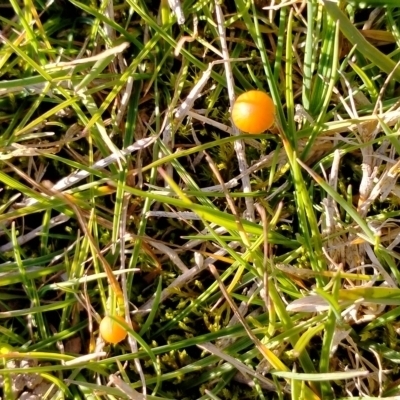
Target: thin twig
<point x="238" y="144"/>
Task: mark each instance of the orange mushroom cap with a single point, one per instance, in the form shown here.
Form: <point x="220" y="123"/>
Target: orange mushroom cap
<point x="110" y="330"/>
<point x="253" y="112"/>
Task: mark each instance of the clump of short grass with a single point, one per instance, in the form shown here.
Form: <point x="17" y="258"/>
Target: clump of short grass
<point x="255" y="266"/>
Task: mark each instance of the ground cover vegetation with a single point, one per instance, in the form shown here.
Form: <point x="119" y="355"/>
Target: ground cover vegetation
<point x="150" y="249"/>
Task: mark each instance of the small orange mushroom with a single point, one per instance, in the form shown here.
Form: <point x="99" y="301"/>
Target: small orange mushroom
<point x="110" y="330"/>
<point x="253" y="112"/>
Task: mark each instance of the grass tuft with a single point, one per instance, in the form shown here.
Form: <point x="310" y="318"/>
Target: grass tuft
<point x="244" y="266"/>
